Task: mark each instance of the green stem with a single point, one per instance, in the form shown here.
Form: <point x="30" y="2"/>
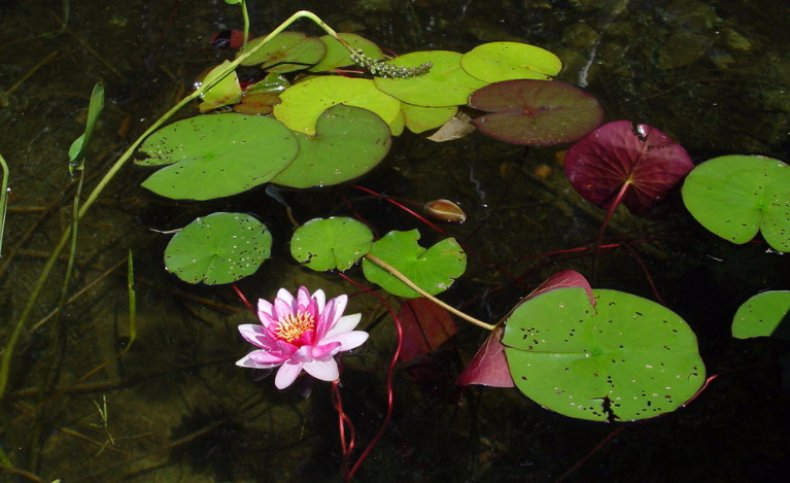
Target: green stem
<point x="403" y="278"/>
<point x="5" y="363"/>
<point x="246" y="18"/>
<point x="3" y="199"/>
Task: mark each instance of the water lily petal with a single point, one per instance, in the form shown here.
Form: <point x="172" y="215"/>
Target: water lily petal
<point x="301" y="355"/>
<point x="320" y="299"/>
<point x="346" y="323"/>
<point x="253" y="361"/>
<point x="340" y="306"/>
<point x="303" y="298"/>
<point x="324" y="351"/>
<point x="325" y="370"/>
<point x="264" y="306"/>
<point x="285" y="296"/>
<point x="348" y="340"/>
<point x="287" y="374"/>
<point x="323" y="322"/>
<point x="255" y="335"/>
<point x="282" y="309"/>
<point x="267" y="320"/>
<point x="265" y="359"/>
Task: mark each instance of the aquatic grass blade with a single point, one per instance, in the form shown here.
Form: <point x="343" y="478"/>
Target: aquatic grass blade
<point x="3" y="199"/>
<point x="78" y="147"/>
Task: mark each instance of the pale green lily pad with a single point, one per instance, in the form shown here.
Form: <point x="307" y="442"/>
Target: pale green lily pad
<point x="626" y="358"/>
<point x="348" y="143"/>
<point x="433" y="270"/>
<point x="303" y="103"/>
<point x="499" y="61"/>
<point x="334" y="243"/>
<point x="286" y="52"/>
<point x="420" y="119"/>
<point x="224" y="93"/>
<point x="218" y="248"/>
<point x="216" y="155"/>
<point x="337" y="56"/>
<point x="736" y="196"/>
<point x="761" y="314"/>
<point x="445" y="84"/>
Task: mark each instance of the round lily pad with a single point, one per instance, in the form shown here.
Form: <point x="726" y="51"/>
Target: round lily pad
<point x="303" y="103"/>
<point x="535" y="112"/>
<point x="420" y="119"/>
<point x="286" y="52"/>
<point x="499" y="61"/>
<point x="761" y="314"/>
<point x="218" y="248"/>
<point x="348" y="143"/>
<point x="331" y="243"/>
<point x="433" y="269"/>
<point x="216" y="155"/>
<point x="734" y="196"/>
<point x="337" y="56"/>
<point x="623" y="359"/>
<point x="445" y="84"/>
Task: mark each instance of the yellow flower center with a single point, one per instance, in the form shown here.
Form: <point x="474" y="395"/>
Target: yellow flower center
<point x="293" y="326"/>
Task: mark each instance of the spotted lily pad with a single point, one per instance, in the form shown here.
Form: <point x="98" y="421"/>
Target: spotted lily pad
<point x="535" y="112"/>
<point x="286" y="52"/>
<point x="348" y="143"/>
<point x="218" y="248"/>
<point x="622" y="359"/>
<point x="445" y="84"/>
<point x="433" y="269"/>
<point x="331" y="243"/>
<point x="303" y="103"/>
<point x="499" y="61"/>
<point x="736" y="196"/>
<point x="212" y="156"/>
<point x="337" y="56"/>
<point x="762" y="314"/>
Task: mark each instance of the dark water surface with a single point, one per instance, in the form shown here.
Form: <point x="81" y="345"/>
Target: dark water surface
<point x="713" y="75"/>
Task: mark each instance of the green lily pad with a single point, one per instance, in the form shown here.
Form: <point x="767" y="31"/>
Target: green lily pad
<point x="286" y="52"/>
<point x="761" y="314"/>
<point x="433" y="269"/>
<point x="626" y="358"/>
<point x="304" y="102"/>
<point x="445" y="84"/>
<point x="535" y="112"/>
<point x="337" y="56"/>
<point x="420" y="119"/>
<point x="500" y="61"/>
<point x="348" y="143"/>
<point x="218" y="248"/>
<point x="331" y="243"/>
<point x="225" y="92"/>
<point x="734" y="196"/>
<point x="216" y="155"/>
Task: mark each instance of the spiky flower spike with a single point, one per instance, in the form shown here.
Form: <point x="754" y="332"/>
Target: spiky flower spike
<point x="381" y="68"/>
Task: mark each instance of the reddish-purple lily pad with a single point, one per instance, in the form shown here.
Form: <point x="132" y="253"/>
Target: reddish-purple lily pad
<point x="489" y="366"/>
<point x="620" y="161"/>
<point x="535" y="112"/>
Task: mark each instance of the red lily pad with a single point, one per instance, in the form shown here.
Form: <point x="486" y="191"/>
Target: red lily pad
<point x="535" y="112"/>
<point x="637" y="164"/>
<point x="489" y="365"/>
<point x="426" y="326"/>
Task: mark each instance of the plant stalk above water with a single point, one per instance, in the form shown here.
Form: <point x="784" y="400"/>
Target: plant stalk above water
<point x="403" y="278"/>
<point x="5" y="363"/>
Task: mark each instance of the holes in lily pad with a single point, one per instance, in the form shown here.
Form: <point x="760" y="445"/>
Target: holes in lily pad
<point x="218" y="248"/>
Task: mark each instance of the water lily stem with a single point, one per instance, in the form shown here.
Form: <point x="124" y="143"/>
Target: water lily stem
<point x="5" y="363"/>
<point x="403" y="278"/>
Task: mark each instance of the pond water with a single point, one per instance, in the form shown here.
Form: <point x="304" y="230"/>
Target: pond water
<point x="81" y="405"/>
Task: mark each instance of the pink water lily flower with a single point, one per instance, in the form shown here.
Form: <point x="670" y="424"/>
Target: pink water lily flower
<point x="302" y="332"/>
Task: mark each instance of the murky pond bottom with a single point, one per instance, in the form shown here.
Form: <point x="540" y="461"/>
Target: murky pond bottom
<point x="82" y="404"/>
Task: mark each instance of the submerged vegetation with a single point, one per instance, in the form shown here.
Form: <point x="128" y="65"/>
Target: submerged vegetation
<point x="316" y="119"/>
